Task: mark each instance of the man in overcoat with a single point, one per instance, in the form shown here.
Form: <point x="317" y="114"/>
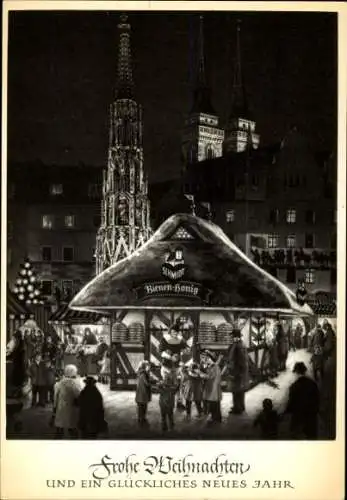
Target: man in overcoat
<point x="238" y="371"/>
<point x="303" y="405"/>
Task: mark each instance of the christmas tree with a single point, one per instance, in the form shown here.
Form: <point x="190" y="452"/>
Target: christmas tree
<point x="27" y="287"/>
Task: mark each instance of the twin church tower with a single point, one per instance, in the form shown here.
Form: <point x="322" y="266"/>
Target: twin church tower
<point x="203" y="137"/>
<point x="125" y="208"/>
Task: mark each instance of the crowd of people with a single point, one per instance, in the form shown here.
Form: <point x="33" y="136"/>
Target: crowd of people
<point x="191" y="387"/>
<point x="293" y="257"/>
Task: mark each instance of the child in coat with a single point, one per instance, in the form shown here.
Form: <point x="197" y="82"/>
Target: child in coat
<point x="167" y="387"/>
<point x="143" y="392"/>
<point x="192" y="389"/>
<point x="268" y="420"/>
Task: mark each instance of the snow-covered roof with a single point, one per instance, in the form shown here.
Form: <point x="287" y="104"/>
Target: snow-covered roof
<point x="213" y="262"/>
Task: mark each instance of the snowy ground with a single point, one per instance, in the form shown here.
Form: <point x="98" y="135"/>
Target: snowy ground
<point x="120" y="410"/>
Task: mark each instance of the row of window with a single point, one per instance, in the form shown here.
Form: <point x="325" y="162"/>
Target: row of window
<point x="273" y="240"/>
<point x="48" y="221"/>
<point x="68" y="254"/>
<point x="48" y="287"/>
<point x="291" y="216"/>
<point x="309" y="276"/>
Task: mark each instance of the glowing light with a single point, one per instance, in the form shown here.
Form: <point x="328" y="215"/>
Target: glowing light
<point x="25" y="282"/>
<point x="21" y="297"/>
<point x="32" y="279"/>
<point x="23" y="272"/>
<point x="27" y="265"/>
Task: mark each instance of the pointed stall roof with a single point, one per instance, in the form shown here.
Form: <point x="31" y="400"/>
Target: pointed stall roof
<point x="217" y="267"/>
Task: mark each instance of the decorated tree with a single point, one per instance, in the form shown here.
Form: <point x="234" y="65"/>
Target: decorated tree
<point x="27" y="286"/>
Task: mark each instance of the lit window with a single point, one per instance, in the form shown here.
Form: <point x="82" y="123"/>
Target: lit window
<point x="46" y="253"/>
<point x="230" y="215"/>
<point x="47" y="221"/>
<point x="291" y="216"/>
<point x="291" y="241"/>
<point x="309" y="240"/>
<point x="46" y="287"/>
<point x="273" y="240"/>
<point x="68" y="254"/>
<point x="69" y="221"/>
<point x="56" y="189"/>
<point x="309" y="276"/>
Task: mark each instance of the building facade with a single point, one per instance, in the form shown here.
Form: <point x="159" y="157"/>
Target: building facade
<point x="125" y="210"/>
<point x="53" y="213"/>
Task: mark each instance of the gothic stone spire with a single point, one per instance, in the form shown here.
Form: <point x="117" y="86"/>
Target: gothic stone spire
<point x="125" y="84"/>
<point x="202" y="93"/>
<point x="239" y="104"/>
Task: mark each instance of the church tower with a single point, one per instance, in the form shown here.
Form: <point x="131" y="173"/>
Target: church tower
<point x="202" y="136"/>
<point x="240" y="128"/>
<point x="125" y="210"/>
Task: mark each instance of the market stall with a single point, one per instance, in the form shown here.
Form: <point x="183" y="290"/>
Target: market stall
<point x="16" y="313"/>
<point x="85" y="336"/>
<point x="189" y="274"/>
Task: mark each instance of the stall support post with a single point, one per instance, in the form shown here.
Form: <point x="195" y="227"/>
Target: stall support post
<point x="195" y="346"/>
<point x="146" y="338"/>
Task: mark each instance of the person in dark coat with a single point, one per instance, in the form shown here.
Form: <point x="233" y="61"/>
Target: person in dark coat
<point x="91" y="419"/>
<point x="329" y="339"/>
<point x="282" y="342"/>
<point x="317" y="349"/>
<point x="303" y="404"/>
<point x="49" y="377"/>
<point x="268" y="420"/>
<point x="238" y="371"/>
<point x="49" y="349"/>
<point x="38" y="382"/>
<point x="143" y="392"/>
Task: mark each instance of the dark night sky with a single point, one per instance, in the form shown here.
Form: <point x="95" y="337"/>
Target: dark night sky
<point x="62" y="76"/>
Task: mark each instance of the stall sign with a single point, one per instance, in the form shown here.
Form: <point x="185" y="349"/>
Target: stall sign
<point x="186" y="289"/>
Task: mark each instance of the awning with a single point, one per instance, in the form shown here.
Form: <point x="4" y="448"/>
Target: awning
<point x="66" y="315"/>
<point x="188" y="263"/>
<point x="14" y="308"/>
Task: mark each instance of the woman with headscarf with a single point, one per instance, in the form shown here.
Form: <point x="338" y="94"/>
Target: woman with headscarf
<point x="65" y="409"/>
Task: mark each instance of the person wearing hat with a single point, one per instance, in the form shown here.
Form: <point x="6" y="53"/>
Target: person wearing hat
<point x="91" y="420"/>
<point x="303" y="404"/>
<point x="65" y="410"/>
<point x="212" y="387"/>
<point x="238" y="371"/>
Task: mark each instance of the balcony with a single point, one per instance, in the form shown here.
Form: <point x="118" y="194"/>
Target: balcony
<point x="300" y="258"/>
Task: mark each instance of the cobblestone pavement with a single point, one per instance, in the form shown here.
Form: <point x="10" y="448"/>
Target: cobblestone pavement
<point x="120" y="412"/>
